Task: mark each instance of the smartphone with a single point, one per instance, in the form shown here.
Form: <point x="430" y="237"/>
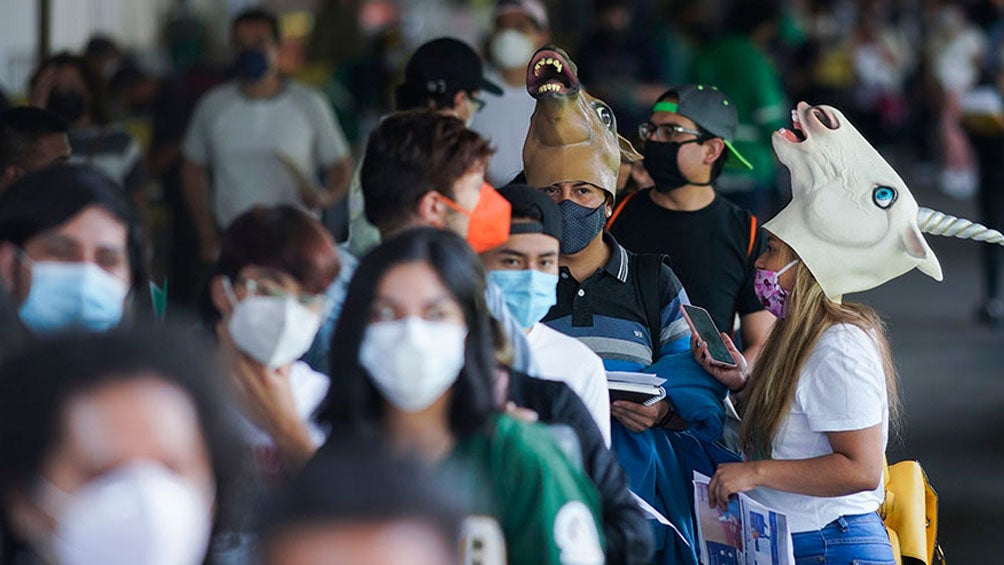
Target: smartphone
<point x="704" y="328"/>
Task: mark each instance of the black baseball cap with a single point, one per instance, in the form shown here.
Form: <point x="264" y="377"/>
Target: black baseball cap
<point x="709" y="108"/>
<point x="447" y="65"/>
<point x="530" y="203"/>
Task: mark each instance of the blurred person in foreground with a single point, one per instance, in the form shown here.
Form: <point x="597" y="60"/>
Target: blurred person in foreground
<point x="521" y="27"/>
<point x="355" y="504"/>
<point x="116" y="451"/>
<point x="30" y="139"/>
<point x="263" y="137"/>
<point x="70" y="251"/>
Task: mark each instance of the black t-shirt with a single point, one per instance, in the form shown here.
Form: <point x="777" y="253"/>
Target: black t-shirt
<point x="709" y="249"/>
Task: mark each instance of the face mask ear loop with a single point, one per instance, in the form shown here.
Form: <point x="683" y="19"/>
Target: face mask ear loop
<point x="228" y="289"/>
<point x="788" y="266"/>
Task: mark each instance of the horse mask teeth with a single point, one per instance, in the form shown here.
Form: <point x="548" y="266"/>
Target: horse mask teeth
<point x="568" y="139"/>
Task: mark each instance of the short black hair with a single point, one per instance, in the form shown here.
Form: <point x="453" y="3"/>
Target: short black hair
<point x="412" y="153"/>
<point x="40" y="381"/>
<point x="257" y="15"/>
<point x="353" y="404"/>
<point x="44" y="199"/>
<point x="351" y="482"/>
<point x="20" y="129"/>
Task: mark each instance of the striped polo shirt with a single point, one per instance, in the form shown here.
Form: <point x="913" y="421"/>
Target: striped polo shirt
<point x="606" y="312"/>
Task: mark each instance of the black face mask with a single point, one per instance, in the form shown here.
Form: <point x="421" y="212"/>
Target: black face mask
<point x="579" y="225"/>
<point x="662" y="164"/>
<point x="68" y="105"/>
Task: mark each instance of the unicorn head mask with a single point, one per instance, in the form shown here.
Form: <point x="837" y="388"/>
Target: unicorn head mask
<point x="852" y="219"/>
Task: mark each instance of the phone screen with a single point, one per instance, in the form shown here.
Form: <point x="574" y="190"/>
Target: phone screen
<point x="704" y="326"/>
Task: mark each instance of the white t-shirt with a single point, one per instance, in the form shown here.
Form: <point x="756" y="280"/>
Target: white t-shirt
<point x="504" y="121"/>
<point x="237" y="137"/>
<point x="563" y="358"/>
<point x="841" y="388"/>
<point x="309" y="388"/>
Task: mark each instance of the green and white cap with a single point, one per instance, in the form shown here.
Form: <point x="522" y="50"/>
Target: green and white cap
<point x="709" y="108"/>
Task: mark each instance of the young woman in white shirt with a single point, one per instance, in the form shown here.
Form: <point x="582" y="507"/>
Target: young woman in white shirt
<point x="815" y="416"/>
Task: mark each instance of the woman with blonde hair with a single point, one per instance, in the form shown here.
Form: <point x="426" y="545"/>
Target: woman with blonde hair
<point x="816" y="410"/>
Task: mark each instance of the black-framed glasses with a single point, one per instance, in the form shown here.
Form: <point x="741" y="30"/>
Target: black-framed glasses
<point x="665" y="132"/>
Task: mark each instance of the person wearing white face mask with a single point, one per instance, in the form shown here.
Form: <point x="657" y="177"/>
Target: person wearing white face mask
<point x="115" y="450"/>
<point x="521" y="27"/>
<point x="412" y="367"/>
<point x="70" y="250"/>
<point x="265" y="304"/>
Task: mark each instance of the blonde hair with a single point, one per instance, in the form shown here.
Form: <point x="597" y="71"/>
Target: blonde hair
<point x="775" y="376"/>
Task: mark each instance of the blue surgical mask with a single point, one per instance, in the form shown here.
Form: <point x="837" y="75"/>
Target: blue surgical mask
<point x="529" y="294"/>
<point x="252" y="65"/>
<point x="68" y="295"/>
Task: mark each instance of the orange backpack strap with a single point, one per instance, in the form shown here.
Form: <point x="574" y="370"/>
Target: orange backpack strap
<point x="749" y="248"/>
<point x="619" y="209"/>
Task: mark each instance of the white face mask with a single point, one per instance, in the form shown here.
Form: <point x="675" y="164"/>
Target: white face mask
<point x="139" y="513"/>
<point x="413" y="361"/>
<point x="274" y="330"/>
<point x="511" y="49"/>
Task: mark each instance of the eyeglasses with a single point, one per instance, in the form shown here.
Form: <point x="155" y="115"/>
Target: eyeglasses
<point x="665" y="132"/>
<point x="316" y="302"/>
<point x="478" y="103"/>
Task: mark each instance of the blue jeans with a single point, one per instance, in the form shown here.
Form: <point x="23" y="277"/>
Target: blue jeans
<point x="848" y="540"/>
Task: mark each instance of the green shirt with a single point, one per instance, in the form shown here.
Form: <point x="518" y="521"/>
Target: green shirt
<point x="743" y="71"/>
<point x="548" y="510"/>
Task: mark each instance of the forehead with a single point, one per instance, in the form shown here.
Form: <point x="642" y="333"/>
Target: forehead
<point x="531" y="243"/>
<point x="252" y="31"/>
<point x="414" y="281"/>
<point x="145" y="417"/>
<point x="92" y="226"/>
<point x="660" y="118"/>
<point x="515" y="20"/>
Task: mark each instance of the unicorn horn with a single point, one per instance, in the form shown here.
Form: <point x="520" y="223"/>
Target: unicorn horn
<point x="939" y="223"/>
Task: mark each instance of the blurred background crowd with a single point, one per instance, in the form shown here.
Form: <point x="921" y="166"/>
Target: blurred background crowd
<point x="908" y="72"/>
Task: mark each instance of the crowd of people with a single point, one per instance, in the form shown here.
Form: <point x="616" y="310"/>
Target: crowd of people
<point x="429" y="385"/>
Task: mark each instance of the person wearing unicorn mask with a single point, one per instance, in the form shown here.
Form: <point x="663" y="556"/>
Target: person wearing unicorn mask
<point x="818" y="403"/>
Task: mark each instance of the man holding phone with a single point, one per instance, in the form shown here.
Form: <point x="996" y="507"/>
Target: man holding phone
<point x="713" y="242"/>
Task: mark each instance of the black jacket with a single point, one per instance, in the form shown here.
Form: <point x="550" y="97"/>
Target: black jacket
<point x="627" y="531"/>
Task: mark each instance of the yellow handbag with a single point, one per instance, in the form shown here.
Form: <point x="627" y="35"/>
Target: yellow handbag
<point x="910" y="513"/>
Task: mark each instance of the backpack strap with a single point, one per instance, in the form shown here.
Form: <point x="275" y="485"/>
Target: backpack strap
<point x="749" y="247"/>
<point x="648" y="281"/>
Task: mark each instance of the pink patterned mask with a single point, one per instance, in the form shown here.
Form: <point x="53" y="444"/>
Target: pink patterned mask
<point x="769" y="291"/>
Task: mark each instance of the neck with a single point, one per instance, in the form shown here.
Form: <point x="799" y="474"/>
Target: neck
<point x="688" y="198"/>
<point x="426" y="433"/>
<point x="586" y="262"/>
<point x="515" y="76"/>
<point x="415" y="222"/>
<point x="264" y="88"/>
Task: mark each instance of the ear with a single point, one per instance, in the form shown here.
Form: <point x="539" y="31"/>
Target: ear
<point x="10" y="174"/>
<point x="430" y="210"/>
<point x="219" y="296"/>
<point x="916" y="247"/>
<point x="459" y="101"/>
<point x="713" y="149"/>
<point x="8" y="266"/>
<point x="628" y="153"/>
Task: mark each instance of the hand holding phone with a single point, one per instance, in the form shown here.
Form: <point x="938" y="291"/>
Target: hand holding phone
<point x="704" y="328"/>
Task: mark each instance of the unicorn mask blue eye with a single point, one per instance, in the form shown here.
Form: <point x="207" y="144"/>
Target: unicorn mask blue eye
<point x="852" y="220"/>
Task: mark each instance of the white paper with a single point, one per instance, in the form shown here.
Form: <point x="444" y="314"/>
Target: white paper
<point x="635" y="378"/>
<point x="745" y="533"/>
